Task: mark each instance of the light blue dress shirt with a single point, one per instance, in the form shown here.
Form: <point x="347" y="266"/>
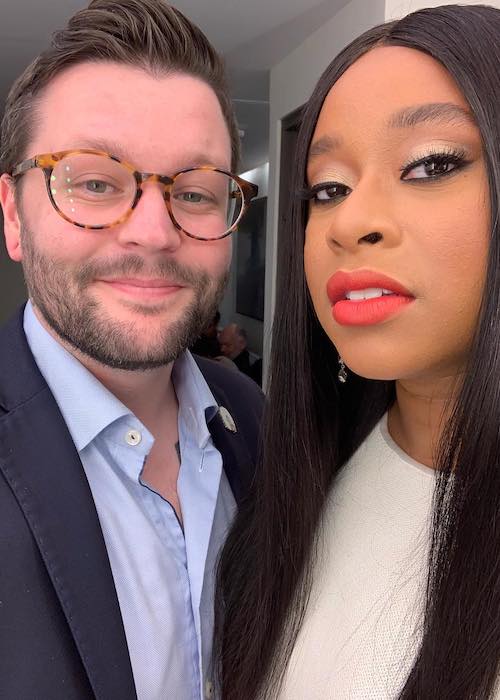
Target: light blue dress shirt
<point x="164" y="577"/>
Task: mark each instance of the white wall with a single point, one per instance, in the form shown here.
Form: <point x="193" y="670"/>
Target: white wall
<point x="394" y="9"/>
<point x="292" y="81"/>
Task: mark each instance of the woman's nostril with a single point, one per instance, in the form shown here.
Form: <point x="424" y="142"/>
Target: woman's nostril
<point x="371" y="238"/>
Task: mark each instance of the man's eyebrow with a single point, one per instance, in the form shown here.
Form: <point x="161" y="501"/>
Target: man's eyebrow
<point x="323" y="145"/>
<point x="98" y="144"/>
<point x="444" y="112"/>
<point x="192" y="160"/>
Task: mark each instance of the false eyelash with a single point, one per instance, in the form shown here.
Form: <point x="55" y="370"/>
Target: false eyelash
<point x="308" y="193"/>
<point x="305" y="193"/>
<point x="452" y="155"/>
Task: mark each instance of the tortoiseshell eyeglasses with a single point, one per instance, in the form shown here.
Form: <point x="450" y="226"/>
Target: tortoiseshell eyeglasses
<point x="95" y="190"/>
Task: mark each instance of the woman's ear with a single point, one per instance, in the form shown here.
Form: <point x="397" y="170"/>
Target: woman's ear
<point x="11" y="224"/>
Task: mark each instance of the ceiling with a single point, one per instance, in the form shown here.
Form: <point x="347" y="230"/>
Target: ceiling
<point x="253" y="35"/>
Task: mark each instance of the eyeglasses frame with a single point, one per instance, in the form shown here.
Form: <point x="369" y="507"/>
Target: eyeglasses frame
<point x="47" y="162"/>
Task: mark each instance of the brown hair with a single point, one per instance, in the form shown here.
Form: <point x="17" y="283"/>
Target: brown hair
<point x="146" y="33"/>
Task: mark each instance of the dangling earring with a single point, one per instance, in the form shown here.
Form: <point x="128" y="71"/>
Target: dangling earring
<point x="342" y="375"/>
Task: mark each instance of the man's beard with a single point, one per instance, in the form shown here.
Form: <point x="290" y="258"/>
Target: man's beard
<point x="61" y="296"/>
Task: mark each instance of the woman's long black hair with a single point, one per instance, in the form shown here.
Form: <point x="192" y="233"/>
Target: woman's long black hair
<point x="313" y="425"/>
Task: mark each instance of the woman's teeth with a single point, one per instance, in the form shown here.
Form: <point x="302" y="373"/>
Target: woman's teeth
<point x="370" y="293"/>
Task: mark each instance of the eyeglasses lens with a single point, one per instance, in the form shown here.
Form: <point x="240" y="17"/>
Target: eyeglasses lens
<point x="206" y="203"/>
<point x="94" y="190"/>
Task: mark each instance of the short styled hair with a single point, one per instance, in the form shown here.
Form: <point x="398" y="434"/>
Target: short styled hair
<point x="148" y="34"/>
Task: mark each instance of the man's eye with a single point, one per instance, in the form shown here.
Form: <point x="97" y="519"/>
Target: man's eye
<point x="94" y="186"/>
<point x="192" y="197"/>
<point x="197" y="197"/>
<point x="433" y="167"/>
<point x="98" y="187"/>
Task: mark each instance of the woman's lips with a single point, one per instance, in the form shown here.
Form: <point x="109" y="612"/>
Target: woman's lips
<point x="364" y="297"/>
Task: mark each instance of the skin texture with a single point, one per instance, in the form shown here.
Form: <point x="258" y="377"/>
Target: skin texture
<point x="172" y="122"/>
<point x="231" y="342"/>
<point x="431" y="236"/>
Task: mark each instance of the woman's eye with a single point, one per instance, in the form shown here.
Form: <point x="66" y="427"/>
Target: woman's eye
<point x="432" y="167"/>
<point x="332" y="192"/>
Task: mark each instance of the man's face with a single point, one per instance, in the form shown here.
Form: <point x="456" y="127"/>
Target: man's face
<point x="135" y="295"/>
<point x="231" y="343"/>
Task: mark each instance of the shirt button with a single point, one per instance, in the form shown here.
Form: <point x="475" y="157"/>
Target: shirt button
<point x="209" y="690"/>
<point x="133" y="438"/>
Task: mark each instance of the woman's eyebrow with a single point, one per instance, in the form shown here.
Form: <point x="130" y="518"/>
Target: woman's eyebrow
<point x="443" y="112"/>
<point x="325" y="144"/>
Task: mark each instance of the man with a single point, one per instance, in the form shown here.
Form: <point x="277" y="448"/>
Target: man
<point x="122" y="460"/>
<point x="207" y="345"/>
<point x="233" y="344"/>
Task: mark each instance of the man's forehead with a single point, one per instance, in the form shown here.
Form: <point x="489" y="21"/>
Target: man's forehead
<point x="93" y="104"/>
<point x="105" y="77"/>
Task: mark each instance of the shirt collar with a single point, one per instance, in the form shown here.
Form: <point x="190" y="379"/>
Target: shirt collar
<point x="88" y="407"/>
<point x="85" y="404"/>
<point x="197" y="405"/>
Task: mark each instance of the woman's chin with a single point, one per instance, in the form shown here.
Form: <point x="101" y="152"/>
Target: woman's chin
<point x="373" y="373"/>
<point x="367" y="368"/>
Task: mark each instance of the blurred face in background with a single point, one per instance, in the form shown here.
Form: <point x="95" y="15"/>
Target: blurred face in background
<point x="231" y="342"/>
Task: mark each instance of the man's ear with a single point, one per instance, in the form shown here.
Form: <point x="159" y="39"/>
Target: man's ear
<point x="11" y="223"/>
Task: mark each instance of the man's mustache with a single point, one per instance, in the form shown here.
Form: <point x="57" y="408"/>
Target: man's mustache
<point x="126" y="266"/>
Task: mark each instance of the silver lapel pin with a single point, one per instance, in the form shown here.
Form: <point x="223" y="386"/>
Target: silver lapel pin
<point x="227" y="419"/>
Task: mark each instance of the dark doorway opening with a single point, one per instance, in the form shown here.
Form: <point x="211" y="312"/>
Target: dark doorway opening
<point x="289" y="134"/>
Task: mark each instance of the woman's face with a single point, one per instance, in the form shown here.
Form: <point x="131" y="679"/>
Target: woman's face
<point x="398" y="228"/>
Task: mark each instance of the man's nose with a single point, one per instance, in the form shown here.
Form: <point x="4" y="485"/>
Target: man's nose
<point x="150" y="225"/>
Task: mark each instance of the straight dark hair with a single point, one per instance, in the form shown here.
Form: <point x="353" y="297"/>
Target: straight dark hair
<point x="313" y="426"/>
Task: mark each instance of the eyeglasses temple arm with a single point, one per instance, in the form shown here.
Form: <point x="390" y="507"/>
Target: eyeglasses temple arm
<point x="24" y="167"/>
<point x="250" y="191"/>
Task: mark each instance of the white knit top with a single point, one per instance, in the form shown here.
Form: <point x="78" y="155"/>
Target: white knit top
<point x="363" y="623"/>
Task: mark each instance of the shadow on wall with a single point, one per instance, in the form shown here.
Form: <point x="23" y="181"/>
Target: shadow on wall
<point x="12" y="288"/>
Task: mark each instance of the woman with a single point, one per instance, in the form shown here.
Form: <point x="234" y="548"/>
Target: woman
<point x="368" y="563"/>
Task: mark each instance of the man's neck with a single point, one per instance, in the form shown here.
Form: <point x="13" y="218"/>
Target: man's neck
<point x="149" y="394"/>
<point x="418" y="417"/>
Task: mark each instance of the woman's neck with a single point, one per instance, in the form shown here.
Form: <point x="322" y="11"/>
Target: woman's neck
<point x="417" y="419"/>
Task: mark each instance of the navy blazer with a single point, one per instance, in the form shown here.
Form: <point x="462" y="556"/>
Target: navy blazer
<point x="61" y="631"/>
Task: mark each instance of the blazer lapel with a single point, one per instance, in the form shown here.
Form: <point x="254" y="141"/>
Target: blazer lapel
<point x="236" y="458"/>
<point x="40" y="462"/>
